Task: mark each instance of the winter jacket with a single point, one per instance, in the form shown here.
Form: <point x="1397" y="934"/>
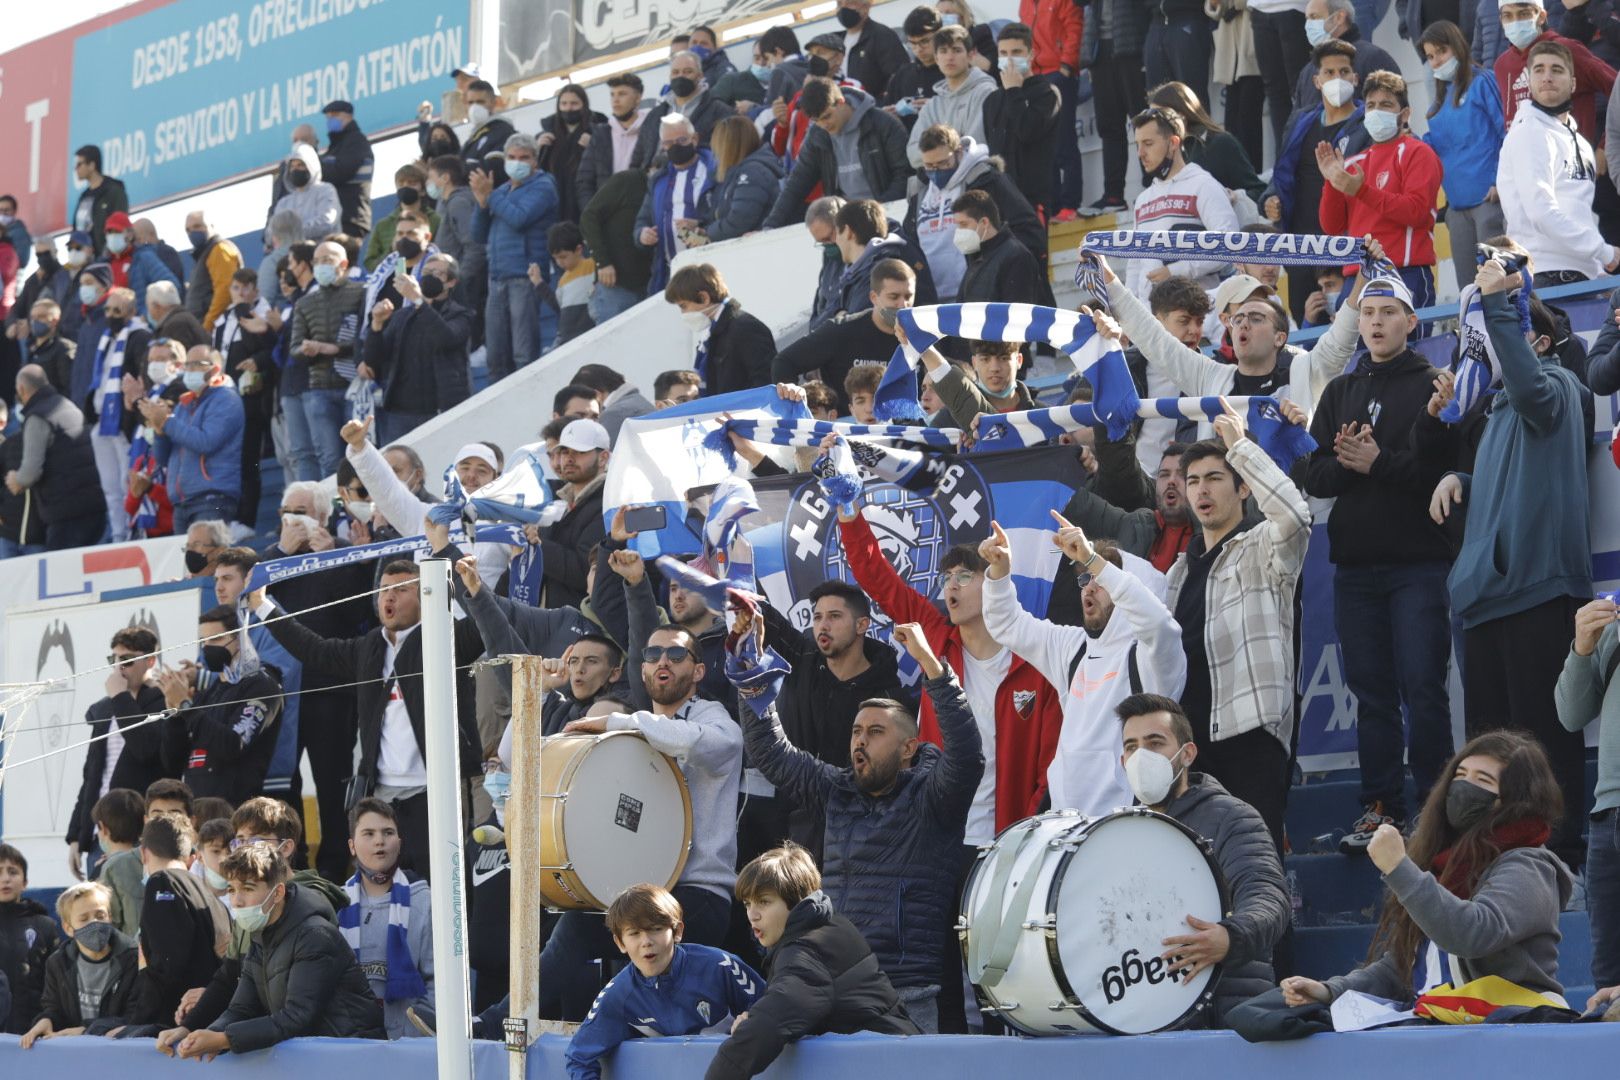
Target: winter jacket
<point x="513" y="225"/>
<point x="910" y="82"/>
<point x="202" y="445"/>
<point x="1191" y="199"/>
<point x="62" y="474"/>
<point x="738" y="204"/>
<point x="1260" y="911"/>
<point x="1352" y="139"/>
<point x="16" y="510"/>
<point x="824" y="979"/>
<point x="183" y="929"/>
<point x="1028" y="713"/>
<point x="739" y="350"/>
<point x="1003" y="271"/>
<point x="120" y="1004"/>
<point x="596" y="165"/>
<point x="1139" y="650"/>
<point x="1468" y="139"/>
<point x="316" y="203"/>
<point x="1395" y="203"/>
<point x="627" y="403"/>
<point x="1595" y="23"/>
<point x="566" y="545"/>
<point x="735" y="86"/>
<point x="1020" y="126"/>
<point x="701" y="988"/>
<point x="454" y="237"/>
<point x="331" y="314"/>
<point x="1583" y="694"/>
<point x="1059" y="27"/>
<point x="673" y="194"/>
<point x="209" y="293"/>
<point x="965" y="399"/>
<point x="28" y="937"/>
<point x="1248" y="630"/>
<point x="104" y="202"/>
<point x="855" y="281"/>
<point x="562" y="157"/>
<point x="1593" y="81"/>
<point x="891" y="860"/>
<point x="103" y="348"/>
<point x="877" y="55"/>
<point x="880" y="142"/>
<point x="347" y="166"/>
<point x="140" y="761"/>
<point x="703" y="110"/>
<point x="301" y="978"/>
<point x="961" y="110"/>
<point x="609" y="225"/>
<point x="221" y="743"/>
<point x="931" y="224"/>
<point x="489" y="138"/>
<point x="1382" y="516"/>
<point x="56" y="357"/>
<point x="146" y="268"/>
<point x="1546" y="177"/>
<point x="1508" y="928"/>
<point x="1525" y="537"/>
<point x="421" y="357"/>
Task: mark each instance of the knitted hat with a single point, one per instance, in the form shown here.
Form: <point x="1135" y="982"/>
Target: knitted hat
<point x="101" y="272"/>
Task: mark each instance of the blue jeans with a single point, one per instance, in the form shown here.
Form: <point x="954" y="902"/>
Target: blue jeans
<point x="1603" y="895"/>
<point x="209" y="506"/>
<point x="10" y="548"/>
<point x="392" y="426"/>
<point x="81" y="531"/>
<point x="325" y="413"/>
<point x="1394" y="628"/>
<point x="302" y="460"/>
<point x="609" y="300"/>
<point x="511" y="326"/>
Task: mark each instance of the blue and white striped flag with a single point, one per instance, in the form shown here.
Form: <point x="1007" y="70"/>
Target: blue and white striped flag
<point x="1476" y="368"/>
<point x="1113" y="393"/>
<point x="519" y="494"/>
<point x="1282" y="441"/>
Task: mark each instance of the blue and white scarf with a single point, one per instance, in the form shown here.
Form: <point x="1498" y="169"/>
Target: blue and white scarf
<point x="804" y="432"/>
<point x="1477" y="369"/>
<point x="405" y="983"/>
<point x="378" y="280"/>
<point x="1282" y="441"/>
<point x="108" y="379"/>
<point x="839" y="477"/>
<point x="519" y="494"/>
<point x="311" y="562"/>
<point x="1096" y="357"/>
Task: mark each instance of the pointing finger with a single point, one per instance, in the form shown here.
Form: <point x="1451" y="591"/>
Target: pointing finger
<point x="1063" y="522"/>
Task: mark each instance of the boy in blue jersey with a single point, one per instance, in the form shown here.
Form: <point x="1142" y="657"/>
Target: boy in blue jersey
<point x="669" y="989"/>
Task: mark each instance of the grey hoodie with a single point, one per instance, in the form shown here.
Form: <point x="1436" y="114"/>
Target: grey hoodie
<point x="316" y="204"/>
<point x="847" y="149"/>
<point x="1509" y="927"/>
<point x="961" y="109"/>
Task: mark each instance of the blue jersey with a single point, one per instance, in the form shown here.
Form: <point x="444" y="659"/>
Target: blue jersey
<point x="702" y="988"/>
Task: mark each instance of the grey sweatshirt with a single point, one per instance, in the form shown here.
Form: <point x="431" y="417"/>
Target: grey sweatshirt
<point x="373" y="954"/>
<point x="1509" y="928"/>
<point x="961" y="109"/>
<point x="1583" y="696"/>
<point x="847" y="149"/>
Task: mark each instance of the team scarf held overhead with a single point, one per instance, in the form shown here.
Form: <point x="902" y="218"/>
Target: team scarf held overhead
<point x="1283" y="442"/>
<point x="275" y="570"/>
<point x="1098" y="358"/>
<point x="1477" y="369"/>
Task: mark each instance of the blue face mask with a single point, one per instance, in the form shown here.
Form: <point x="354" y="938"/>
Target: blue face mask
<point x="434" y="191"/>
<point x="498" y="785"/>
<point x="1446" y="71"/>
<point x="1381" y="125"/>
<point x="1018" y="63"/>
<point x="519" y="170"/>
<point x="334" y="125"/>
<point x="1521" y="32"/>
<point x="37" y="328"/>
<point x="760" y="72"/>
<point x="1316" y="32"/>
<point x="89" y="294"/>
<point x="194" y="380"/>
<point x="941" y="177"/>
<point x="325" y="274"/>
<point x="950" y="20"/>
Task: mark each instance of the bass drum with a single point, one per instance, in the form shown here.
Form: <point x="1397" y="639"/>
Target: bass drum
<point x="1062" y="917"/>
<point x="614" y="812"/>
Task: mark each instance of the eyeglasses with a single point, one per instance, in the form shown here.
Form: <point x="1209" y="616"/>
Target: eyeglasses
<point x="1083" y="579"/>
<point x="1253" y="318"/>
<point x="676" y="654"/>
<point x="963" y="578"/>
<point x="118" y="660"/>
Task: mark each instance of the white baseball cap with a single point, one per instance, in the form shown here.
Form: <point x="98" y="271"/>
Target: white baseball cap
<point x="1387" y="285"/>
<point x="583" y="435"/>
<point x="469" y="69"/>
<point x="477" y="451"/>
<point x="1500" y="4"/>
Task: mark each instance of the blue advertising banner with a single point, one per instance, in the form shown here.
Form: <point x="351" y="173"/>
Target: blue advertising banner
<point x="200" y="90"/>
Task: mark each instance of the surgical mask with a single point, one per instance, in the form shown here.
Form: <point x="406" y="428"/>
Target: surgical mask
<point x="117" y="242"/>
<point x="194" y="380"/>
<point x="1151" y="776"/>
<point x="362" y="511"/>
<point x="216" y="658"/>
<point x="89" y="294"/>
<point x="1521" y="32"/>
<point x="1337" y="91"/>
<point x="77" y="257"/>
<point x="498" y="785"/>
<point x="682" y="154"/>
<point x="38" y="328"/>
<point x="251" y="919"/>
<point x="158" y="372"/>
<point x="697" y="320"/>
<point x="1446" y="71"/>
<point x="1381" y="125"/>
<point x="1316" y="32"/>
<point x="434" y="190"/>
<point x="760" y="72"/>
<point x="950" y="20"/>
<point x="215" y="879"/>
<point x="682" y="86"/>
<point x="478" y="115"/>
<point x="904" y="107"/>
<point x="967" y="241"/>
<point x="94" y="936"/>
<point x="1015" y="63"/>
<point x="1467" y="804"/>
<point x="519" y="170"/>
<point x="325" y="273"/>
<point x="6" y="220"/>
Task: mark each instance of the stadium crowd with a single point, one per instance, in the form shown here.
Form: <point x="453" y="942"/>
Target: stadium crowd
<point x="836" y="811"/>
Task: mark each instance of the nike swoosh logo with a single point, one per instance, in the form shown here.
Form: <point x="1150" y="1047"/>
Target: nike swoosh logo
<point x="481" y="876"/>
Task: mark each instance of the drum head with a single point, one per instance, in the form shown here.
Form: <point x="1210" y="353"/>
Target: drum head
<point x="1131" y="883"/>
<point x="625" y="820"/>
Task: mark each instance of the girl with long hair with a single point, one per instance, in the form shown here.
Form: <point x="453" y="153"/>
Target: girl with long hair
<point x="747" y="175"/>
<point x="1476" y="892"/>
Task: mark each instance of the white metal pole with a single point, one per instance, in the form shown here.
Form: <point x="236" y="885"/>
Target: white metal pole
<point x="451" y="1002"/>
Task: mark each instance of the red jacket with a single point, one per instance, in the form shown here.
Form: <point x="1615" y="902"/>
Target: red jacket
<point x="1593" y="78"/>
<point x="1396" y="201"/>
<point x="1029" y="713"/>
<point x="1057" y="25"/>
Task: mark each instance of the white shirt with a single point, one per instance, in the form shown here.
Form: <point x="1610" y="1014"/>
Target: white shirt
<point x="399" y="762"/>
<point x="980" y="681"/>
<point x="115" y="748"/>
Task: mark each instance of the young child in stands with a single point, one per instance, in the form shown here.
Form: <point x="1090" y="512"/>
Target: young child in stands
<point x="860" y="387"/>
<point x="824" y="977"/>
<point x="28" y="936"/>
<point x="389" y="920"/>
<point x="119" y="815"/>
<point x="669" y="989"/>
<point x="90" y="982"/>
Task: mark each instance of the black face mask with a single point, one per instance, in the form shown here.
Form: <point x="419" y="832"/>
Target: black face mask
<point x="682" y="154"/>
<point x="1553" y="110"/>
<point x="216" y="657"/>
<point x="407" y="248"/>
<point x="244" y="311"/>
<point x="848" y="18"/>
<point x="682" y="87"/>
<point x="48" y="264"/>
<point x="116" y="323"/>
<point x="196" y="561"/>
<point x="571" y="117"/>
<point x="1467" y="804"/>
<point x="289" y="281"/>
<point x="297" y="178"/>
<point x="818" y="66"/>
<point x="408" y="196"/>
<point x="438" y="148"/>
<point x="432" y="287"/>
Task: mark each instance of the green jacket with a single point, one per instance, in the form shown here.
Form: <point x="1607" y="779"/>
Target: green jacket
<point x="382" y="237"/>
<point x="965" y="399"/>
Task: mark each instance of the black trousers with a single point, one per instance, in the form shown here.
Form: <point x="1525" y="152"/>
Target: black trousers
<point x="1245" y="105"/>
<point x="254" y="425"/>
<point x="413" y="835"/>
<point x="1283" y="51"/>
<point x="326" y="732"/>
<point x="1119" y="90"/>
<point x="1252" y="766"/>
<point x="1510" y="667"/>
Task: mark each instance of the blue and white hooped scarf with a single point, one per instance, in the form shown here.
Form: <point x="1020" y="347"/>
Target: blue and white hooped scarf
<point x="405" y="983"/>
<point x="108" y="378"/>
<point x="1477" y="369"/>
<point x="273" y="570"/>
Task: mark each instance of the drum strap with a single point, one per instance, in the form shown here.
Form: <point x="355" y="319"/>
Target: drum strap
<point x="1135" y="672"/>
<point x="988" y="971"/>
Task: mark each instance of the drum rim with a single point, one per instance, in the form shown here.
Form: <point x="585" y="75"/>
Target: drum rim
<point x="1053" y="956"/>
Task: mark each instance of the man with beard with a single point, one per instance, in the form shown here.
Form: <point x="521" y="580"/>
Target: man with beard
<point x="1112" y="655"/>
<point x="582" y="463"/>
<point x="1177" y="195"/>
<point x="895" y="816"/>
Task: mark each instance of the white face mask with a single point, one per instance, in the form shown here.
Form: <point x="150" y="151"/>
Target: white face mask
<point x="477" y="115"/>
<point x="1382" y="126"/>
<point x="1338" y="91"/>
<point x="966" y="241"/>
<point x="697" y="320"/>
<point x="362" y="511"/>
<point x="1151" y="776"/>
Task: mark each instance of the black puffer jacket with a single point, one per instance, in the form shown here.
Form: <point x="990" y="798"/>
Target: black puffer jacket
<point x="301" y="978"/>
<point x="1259" y="895"/>
<point x="28" y="934"/>
<point x="823" y="979"/>
<point x="120" y="1004"/>
<point x="891" y="859"/>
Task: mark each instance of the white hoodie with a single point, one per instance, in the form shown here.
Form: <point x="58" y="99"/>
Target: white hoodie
<point x="1190" y="200"/>
<point x="936" y="221"/>
<point x="1093" y="675"/>
<point x="1545" y="177"/>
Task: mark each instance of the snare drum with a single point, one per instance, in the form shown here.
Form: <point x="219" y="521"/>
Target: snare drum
<point x="1063" y="915"/>
<point x="614" y="812"/>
